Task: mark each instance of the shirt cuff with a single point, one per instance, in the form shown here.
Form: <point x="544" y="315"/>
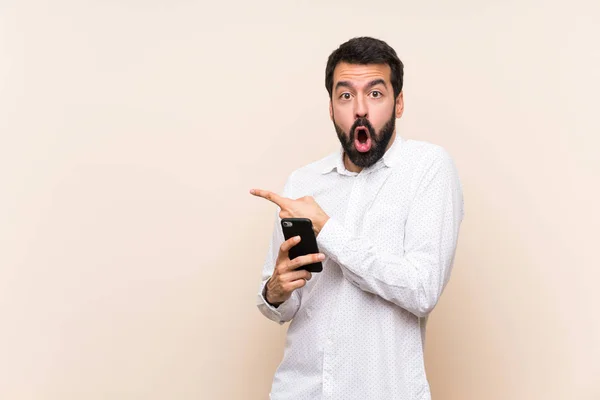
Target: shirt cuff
<point x="273" y="313"/>
<point x="332" y="238"/>
<point x="333" y="242"/>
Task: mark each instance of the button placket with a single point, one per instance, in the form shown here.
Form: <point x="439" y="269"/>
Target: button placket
<point x="354" y="203"/>
<point x="328" y="348"/>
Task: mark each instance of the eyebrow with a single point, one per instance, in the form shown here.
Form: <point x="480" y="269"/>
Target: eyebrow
<point x="347" y="84"/>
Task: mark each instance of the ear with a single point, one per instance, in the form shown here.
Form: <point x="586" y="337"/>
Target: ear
<point x="400" y="105"/>
<point x="330" y="110"/>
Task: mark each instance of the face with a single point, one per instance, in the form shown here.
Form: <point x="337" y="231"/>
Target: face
<point x="364" y="111"/>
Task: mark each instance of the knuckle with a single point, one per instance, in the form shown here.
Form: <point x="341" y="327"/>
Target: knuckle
<point x="285" y="266"/>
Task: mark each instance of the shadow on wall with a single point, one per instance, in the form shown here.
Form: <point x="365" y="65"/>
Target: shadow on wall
<point x="488" y="337"/>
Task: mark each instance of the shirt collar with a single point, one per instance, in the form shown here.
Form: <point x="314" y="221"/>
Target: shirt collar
<point x="389" y="159"/>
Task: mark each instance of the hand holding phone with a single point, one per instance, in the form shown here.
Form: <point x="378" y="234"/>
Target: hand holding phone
<point x="308" y="245"/>
<point x="293" y="271"/>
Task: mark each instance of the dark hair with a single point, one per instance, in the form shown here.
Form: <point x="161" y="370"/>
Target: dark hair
<point x="365" y="50"/>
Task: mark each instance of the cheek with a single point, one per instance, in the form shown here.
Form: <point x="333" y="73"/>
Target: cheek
<point x="342" y="116"/>
<point x="381" y="115"/>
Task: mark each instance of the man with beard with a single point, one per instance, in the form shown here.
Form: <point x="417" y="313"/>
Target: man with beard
<point x="386" y="212"/>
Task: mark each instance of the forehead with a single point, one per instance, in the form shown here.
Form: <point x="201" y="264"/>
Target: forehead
<point x="359" y="73"/>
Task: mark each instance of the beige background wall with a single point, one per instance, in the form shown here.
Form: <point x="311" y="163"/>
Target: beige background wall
<point x="130" y="132"/>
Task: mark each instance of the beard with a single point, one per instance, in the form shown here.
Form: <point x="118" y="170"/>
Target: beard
<point x="379" y="140"/>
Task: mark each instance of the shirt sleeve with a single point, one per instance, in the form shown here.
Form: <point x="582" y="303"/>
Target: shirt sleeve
<point x="286" y="310"/>
<point x="413" y="280"/>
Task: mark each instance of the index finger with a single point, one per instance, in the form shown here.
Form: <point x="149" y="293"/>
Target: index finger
<point x="285" y="248"/>
<point x="288" y="244"/>
<point x="272" y="197"/>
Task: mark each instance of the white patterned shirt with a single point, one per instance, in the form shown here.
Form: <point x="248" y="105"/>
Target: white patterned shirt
<point x="357" y="329"/>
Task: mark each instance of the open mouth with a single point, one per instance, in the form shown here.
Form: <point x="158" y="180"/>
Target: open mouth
<point x="362" y="134"/>
<point x="362" y="139"/>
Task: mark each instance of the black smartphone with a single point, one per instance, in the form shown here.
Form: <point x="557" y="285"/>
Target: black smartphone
<point x="308" y="242"/>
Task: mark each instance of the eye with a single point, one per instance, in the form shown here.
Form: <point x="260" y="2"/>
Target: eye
<point x="345" y="96"/>
<point x="376" y="94"/>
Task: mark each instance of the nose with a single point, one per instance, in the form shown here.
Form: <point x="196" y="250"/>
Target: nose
<point x="360" y="108"/>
